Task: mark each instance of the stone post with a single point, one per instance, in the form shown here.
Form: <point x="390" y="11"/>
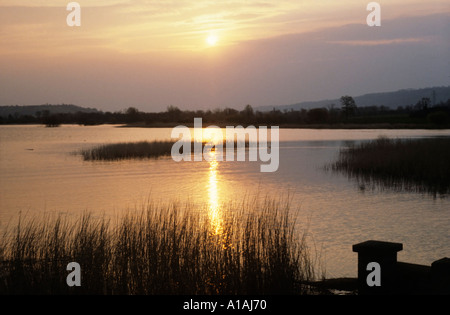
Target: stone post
<point x="385" y="255"/>
<point x="440" y="276"/>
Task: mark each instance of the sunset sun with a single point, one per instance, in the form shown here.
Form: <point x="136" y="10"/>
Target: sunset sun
<point x="212" y="39"/>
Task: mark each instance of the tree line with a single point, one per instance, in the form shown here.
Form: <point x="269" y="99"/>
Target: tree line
<point x="347" y="112"/>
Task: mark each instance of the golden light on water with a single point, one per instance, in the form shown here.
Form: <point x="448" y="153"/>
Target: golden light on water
<point x="214" y="210"/>
<point x="211" y="135"/>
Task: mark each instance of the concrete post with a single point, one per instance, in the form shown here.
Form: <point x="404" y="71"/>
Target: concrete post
<point x="440" y="276"/>
<point x="385" y="255"/>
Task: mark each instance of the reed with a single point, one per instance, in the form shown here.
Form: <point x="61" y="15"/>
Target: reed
<point x="160" y="250"/>
<point x="413" y="165"/>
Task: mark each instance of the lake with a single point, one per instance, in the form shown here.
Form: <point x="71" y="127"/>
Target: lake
<point x="40" y="173"/>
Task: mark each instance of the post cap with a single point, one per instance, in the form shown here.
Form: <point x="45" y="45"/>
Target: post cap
<point x="443" y="262"/>
<point x="377" y="246"/>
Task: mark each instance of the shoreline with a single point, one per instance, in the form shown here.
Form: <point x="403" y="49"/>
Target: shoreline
<point x="294" y="126"/>
<point x="340" y="126"/>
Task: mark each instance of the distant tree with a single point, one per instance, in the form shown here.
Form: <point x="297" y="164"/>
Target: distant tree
<point x="318" y="115"/>
<point x="333" y="113"/>
<point x="230" y="112"/>
<point x="132" y="114"/>
<point x="423" y="103"/>
<point x="131" y="111"/>
<point x="52" y="120"/>
<point x="248" y="114"/>
<point x="248" y="110"/>
<point x="45" y="113"/>
<point x="348" y="105"/>
<point x="173" y="113"/>
<point x="173" y="109"/>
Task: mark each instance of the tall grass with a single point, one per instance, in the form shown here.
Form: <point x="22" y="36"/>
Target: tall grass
<point x="421" y="165"/>
<point x="159" y="250"/>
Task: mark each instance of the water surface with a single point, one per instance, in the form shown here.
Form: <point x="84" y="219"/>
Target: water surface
<point x="40" y="174"/>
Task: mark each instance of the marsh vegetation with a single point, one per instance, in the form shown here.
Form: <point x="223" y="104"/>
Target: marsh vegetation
<point x="142" y="150"/>
<point x="420" y="165"/>
<point x="160" y="250"/>
<point x="128" y="150"/>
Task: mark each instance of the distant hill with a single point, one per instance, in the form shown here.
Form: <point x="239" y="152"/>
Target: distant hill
<point x="41" y="110"/>
<point x="389" y="99"/>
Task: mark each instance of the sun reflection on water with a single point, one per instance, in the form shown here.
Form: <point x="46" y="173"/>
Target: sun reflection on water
<point x="214" y="210"/>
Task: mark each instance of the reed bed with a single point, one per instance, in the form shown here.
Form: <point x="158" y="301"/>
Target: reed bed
<point x="421" y="165"/>
<point x="138" y="150"/>
<point x="159" y="250"/>
<point x="128" y="150"/>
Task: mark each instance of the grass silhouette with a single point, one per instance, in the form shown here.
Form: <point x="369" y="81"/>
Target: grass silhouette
<point x="162" y="249"/>
<point x="413" y="165"/>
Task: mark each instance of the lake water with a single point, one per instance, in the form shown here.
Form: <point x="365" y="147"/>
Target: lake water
<point x="40" y="174"/>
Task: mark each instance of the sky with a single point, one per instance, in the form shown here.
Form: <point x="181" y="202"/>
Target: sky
<point x="207" y="54"/>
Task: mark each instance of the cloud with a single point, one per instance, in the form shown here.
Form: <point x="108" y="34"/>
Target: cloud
<point x="150" y="25"/>
<point x="383" y="41"/>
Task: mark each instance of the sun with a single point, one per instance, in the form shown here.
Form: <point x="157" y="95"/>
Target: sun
<point x="212" y="39"/>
